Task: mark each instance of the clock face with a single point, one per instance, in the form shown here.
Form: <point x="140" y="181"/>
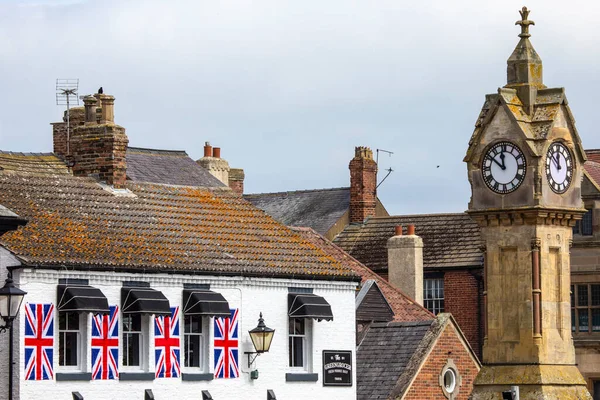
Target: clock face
<point x="504" y="167"/>
<point x="559" y="167"/>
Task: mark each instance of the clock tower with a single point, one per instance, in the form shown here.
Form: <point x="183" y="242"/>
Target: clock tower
<point x="525" y="165"/>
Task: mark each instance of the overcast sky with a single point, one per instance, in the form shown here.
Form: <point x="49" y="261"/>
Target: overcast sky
<point x="288" y="88"/>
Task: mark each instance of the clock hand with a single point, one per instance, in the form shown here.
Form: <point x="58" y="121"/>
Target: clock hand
<point x="502" y="158"/>
<point x="557" y="161"/>
<point x="500" y="165"/>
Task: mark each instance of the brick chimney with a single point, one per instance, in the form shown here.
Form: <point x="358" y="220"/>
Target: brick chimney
<point x="363" y="183"/>
<point x="60" y="138"/>
<point x="214" y="164"/>
<point x="236" y="180"/>
<point x="98" y="146"/>
<point x="405" y="263"/>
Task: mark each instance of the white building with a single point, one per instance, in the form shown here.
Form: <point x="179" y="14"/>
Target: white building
<point x="107" y="262"/>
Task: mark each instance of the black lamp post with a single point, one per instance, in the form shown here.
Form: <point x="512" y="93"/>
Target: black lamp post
<point x="261" y="336"/>
<point x="10" y="304"/>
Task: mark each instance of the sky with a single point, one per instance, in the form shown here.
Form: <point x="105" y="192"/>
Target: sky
<point x="287" y="89"/>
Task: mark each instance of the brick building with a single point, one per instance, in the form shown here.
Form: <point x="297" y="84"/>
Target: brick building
<point x="403" y="350"/>
<point x="144" y="274"/>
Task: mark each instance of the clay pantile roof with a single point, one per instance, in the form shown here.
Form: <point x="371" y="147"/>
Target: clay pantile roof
<point x="168" y="167"/>
<point x="593" y="170"/>
<point x="77" y="222"/>
<point x="318" y="209"/>
<point x="593" y="155"/>
<point x="449" y="240"/>
<point x="386" y="353"/>
<point x="405" y="309"/>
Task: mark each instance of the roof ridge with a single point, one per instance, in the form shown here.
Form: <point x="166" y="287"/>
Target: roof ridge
<point x="27" y="154"/>
<point x="147" y="150"/>
<point x="419" y="215"/>
<point x="297" y="191"/>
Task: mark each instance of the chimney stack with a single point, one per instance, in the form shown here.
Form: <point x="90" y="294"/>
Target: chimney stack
<point x="60" y="138"/>
<point x="405" y="263"/>
<point x="363" y="184"/>
<point x="98" y="148"/>
<point x="214" y="164"/>
<point x="236" y="180"/>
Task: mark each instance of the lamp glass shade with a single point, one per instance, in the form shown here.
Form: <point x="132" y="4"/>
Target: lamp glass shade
<point x="10" y="300"/>
<point x="262" y="336"/>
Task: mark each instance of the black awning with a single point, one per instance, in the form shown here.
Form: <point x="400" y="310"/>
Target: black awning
<point x="142" y="300"/>
<point x="205" y="302"/>
<point x="81" y="298"/>
<point x="307" y="305"/>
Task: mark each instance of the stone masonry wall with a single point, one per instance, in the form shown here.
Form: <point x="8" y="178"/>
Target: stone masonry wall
<point x="448" y="346"/>
<point x="462" y="300"/>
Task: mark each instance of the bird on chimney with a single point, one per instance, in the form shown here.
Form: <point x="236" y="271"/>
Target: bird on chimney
<point x="100" y="91"/>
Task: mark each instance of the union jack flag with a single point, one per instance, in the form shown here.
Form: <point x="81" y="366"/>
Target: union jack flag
<point x="226" y="346"/>
<point x="166" y="345"/>
<point x="105" y="345"/>
<point x="39" y="341"/>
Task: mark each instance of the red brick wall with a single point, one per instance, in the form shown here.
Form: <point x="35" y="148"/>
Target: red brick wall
<point x="426" y="385"/>
<point x="462" y="300"/>
<point x="363" y="183"/>
<point x="59" y="130"/>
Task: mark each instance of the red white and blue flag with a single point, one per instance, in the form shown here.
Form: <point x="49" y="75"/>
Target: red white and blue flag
<point x="226" y="346"/>
<point x="167" y="345"/>
<point x="39" y="342"/>
<point x="105" y="345"/>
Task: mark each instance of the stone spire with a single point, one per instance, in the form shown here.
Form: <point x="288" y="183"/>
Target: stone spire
<point x="524" y="66"/>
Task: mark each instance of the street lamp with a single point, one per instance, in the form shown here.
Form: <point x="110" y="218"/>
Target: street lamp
<point x="10" y="304"/>
<point x="261" y="337"/>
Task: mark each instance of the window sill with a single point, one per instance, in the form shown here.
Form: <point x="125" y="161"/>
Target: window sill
<point x="196" y="377"/>
<point x="301" y="377"/>
<point x="136" y="376"/>
<point x="73" y="376"/>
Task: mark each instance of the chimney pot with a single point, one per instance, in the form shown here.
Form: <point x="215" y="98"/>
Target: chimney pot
<point x="207" y="150"/>
<point x="89" y="103"/>
<point x="398" y="230"/>
<point x="410" y="230"/>
<point x="216" y="152"/>
<point x="108" y="109"/>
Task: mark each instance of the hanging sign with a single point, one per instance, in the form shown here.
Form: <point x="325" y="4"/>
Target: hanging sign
<point x="337" y="368"/>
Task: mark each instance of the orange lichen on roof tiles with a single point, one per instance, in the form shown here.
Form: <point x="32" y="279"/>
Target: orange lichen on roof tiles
<point x="73" y="221"/>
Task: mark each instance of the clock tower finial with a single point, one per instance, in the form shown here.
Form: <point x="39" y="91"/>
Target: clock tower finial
<point x="524" y="22"/>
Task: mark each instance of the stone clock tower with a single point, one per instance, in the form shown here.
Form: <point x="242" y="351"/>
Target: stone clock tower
<point x="525" y="165"/>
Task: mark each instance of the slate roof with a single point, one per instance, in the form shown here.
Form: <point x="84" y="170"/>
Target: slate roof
<point x="318" y="209"/>
<point x="168" y="167"/>
<point x="385" y="353"/>
<point x="405" y="308"/>
<point x="449" y="240"/>
<point x="76" y="222"/>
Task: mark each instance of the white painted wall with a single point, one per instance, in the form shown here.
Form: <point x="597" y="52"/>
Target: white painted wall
<point x="251" y="295"/>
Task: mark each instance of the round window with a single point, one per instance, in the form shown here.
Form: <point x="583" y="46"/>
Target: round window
<point x="449" y="380"/>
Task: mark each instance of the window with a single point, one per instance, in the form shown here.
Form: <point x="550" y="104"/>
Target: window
<point x="585" y="308"/>
<point x="298" y="342"/>
<point x="433" y="295"/>
<point x="70" y="338"/>
<point x="194" y="341"/>
<point x="450" y="380"/>
<point x="584" y="227"/>
<point x="132" y="340"/>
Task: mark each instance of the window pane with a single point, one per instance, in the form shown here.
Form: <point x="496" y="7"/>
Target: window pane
<point x="572" y="320"/>
<point x="596" y="320"/>
<point x="572" y="295"/>
<point x="193" y="352"/>
<point x="583" y="321"/>
<point x="131" y="349"/>
<point x="73" y="321"/>
<point x="192" y="324"/>
<point x="62" y="321"/>
<point x="297" y="326"/>
<point x="586" y="223"/>
<point x="68" y="348"/>
<point x="434" y="295"/>
<point x="582" y="295"/>
<point x="297" y="351"/>
<point x="596" y="295"/>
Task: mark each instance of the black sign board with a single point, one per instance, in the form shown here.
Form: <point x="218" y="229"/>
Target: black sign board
<point x="337" y="368"/>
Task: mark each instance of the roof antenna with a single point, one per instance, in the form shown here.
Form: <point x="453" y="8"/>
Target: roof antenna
<point x="66" y="91"/>
<point x="389" y="170"/>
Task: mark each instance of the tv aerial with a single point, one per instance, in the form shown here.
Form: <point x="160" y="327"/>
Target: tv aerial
<point x="66" y="95"/>
<point x="389" y="170"/>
